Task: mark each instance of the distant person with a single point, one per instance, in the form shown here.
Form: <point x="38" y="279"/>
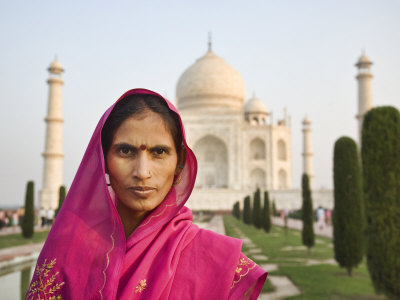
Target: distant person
<point x="50" y="216"/>
<point x="328" y="217"/>
<point x="320" y="217"/>
<point x="14" y="220"/>
<point x="123" y="231"/>
<point x="42" y="217"/>
<point x="2" y="219"/>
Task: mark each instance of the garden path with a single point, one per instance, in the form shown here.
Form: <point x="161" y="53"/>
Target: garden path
<point x="326" y="231"/>
<point x="284" y="287"/>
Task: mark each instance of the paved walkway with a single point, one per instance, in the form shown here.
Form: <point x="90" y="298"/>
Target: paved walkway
<point x="17" y="229"/>
<point x="14" y="256"/>
<point x="326" y="231"/>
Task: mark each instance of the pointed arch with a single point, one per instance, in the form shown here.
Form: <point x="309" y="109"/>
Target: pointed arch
<point x="282" y="151"/>
<point x="258" y="178"/>
<point x="257" y="149"/>
<point x="212" y="156"/>
<point x="282" y="179"/>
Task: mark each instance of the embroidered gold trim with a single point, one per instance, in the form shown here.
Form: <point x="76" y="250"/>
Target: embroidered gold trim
<point x="157" y="215"/>
<point x="141" y="286"/>
<point x="47" y="288"/>
<point x="243" y="262"/>
<point x="108" y="262"/>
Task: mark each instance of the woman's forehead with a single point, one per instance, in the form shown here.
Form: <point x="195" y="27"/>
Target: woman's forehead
<point x="147" y="126"/>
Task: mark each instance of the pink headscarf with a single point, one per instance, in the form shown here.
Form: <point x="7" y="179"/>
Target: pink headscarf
<point x="86" y="255"/>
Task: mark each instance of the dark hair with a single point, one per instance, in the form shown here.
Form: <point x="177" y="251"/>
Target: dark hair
<point x="134" y="105"/>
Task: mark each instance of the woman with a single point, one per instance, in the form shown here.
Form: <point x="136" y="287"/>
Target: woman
<point x="123" y="231"/>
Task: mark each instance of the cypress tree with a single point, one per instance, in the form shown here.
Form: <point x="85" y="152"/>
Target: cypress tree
<point x="266" y="213"/>
<point x="61" y="197"/>
<point x="274" y="211"/>
<point x="348" y="221"/>
<point x="27" y="221"/>
<point x="257" y="209"/>
<point x="247" y="210"/>
<point x="380" y="152"/>
<point x="236" y="210"/>
<point x="307" y="214"/>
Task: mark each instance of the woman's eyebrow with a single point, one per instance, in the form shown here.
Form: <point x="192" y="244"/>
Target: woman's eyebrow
<point x="169" y="148"/>
<point x="125" y="144"/>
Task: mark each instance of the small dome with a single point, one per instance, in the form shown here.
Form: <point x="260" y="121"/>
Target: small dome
<point x="255" y="105"/>
<point x="210" y="81"/>
<point x="306" y="121"/>
<point x="363" y="61"/>
<point x="56" y="67"/>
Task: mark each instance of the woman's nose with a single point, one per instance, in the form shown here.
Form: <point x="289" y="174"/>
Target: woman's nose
<point x="141" y="169"/>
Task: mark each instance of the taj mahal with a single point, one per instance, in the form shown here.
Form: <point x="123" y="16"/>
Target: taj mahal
<point x="240" y="146"/>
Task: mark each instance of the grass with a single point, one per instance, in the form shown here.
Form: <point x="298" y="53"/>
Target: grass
<point x="12" y="240"/>
<point x="319" y="281"/>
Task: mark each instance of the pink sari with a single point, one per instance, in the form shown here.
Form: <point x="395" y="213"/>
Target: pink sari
<point x="86" y="255"/>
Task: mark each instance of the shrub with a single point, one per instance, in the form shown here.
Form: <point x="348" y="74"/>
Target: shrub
<point x="236" y="210"/>
<point x="266" y="213"/>
<point x="348" y="221"/>
<point x="61" y="197"/>
<point x="27" y="221"/>
<point x="380" y="152"/>
<point x="257" y="209"/>
<point x="274" y="211"/>
<point x="247" y="210"/>
<point x="307" y="214"/>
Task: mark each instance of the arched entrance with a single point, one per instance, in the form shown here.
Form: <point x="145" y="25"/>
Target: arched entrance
<point x="212" y="157"/>
<point x="257" y="179"/>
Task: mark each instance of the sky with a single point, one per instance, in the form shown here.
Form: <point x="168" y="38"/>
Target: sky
<point x="294" y="54"/>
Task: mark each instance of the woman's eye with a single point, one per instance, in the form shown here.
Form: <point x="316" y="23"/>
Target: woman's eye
<point x="125" y="150"/>
<point x="159" y="151"/>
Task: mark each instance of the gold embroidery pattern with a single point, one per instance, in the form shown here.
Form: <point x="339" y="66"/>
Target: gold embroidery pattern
<point x="244" y="261"/>
<point x="148" y="221"/>
<point x="43" y="289"/>
<point x="107" y="264"/>
<point x="245" y="265"/>
<point x="141" y="286"/>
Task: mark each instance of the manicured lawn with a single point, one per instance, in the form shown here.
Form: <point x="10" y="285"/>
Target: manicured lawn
<point x="12" y="240"/>
<point x="316" y="281"/>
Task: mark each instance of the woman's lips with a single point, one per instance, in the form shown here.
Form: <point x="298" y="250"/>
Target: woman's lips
<point x="141" y="191"/>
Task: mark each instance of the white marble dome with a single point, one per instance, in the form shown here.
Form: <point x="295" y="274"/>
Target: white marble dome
<point x="255" y="105"/>
<point x="210" y="82"/>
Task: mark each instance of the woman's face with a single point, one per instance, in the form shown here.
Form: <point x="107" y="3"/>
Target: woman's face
<point x="141" y="162"/>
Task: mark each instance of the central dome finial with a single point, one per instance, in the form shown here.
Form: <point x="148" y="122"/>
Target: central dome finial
<point x="209" y="42"/>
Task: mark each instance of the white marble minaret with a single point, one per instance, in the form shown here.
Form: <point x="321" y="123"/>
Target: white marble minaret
<point x="53" y="154"/>
<point x="365" y="99"/>
<point x="308" y="165"/>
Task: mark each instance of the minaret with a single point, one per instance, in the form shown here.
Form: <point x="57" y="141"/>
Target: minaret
<point x="308" y="166"/>
<point x="53" y="154"/>
<point x="365" y="100"/>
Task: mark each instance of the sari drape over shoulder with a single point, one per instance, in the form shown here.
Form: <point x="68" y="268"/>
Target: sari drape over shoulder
<point x="86" y="255"/>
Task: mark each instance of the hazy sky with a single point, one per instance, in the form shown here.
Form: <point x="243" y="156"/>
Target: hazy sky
<point x="294" y="54"/>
